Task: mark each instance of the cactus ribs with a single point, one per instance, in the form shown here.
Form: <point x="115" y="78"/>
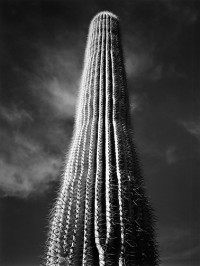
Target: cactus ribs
<point x="102" y="215"/>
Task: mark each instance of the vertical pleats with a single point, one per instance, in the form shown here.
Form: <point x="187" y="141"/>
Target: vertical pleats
<point x="102" y="215"/>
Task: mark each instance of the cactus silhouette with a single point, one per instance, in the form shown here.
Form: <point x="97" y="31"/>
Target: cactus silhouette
<point x="102" y="215"/>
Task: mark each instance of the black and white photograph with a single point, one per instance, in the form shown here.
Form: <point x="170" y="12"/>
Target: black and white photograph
<point x="99" y="133"/>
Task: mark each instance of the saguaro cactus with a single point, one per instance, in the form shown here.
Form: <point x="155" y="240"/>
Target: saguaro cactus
<point x="102" y="216"/>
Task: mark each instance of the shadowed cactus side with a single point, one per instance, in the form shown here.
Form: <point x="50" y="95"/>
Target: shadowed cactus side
<point x="102" y="216"/>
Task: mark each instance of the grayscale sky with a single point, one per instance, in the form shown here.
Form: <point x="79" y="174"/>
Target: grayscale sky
<point x="41" y="56"/>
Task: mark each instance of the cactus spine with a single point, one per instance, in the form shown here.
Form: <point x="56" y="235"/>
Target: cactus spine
<point x="102" y="216"/>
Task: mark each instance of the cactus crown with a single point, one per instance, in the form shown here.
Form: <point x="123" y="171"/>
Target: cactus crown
<point x="104" y="14"/>
<point x="102" y="215"/>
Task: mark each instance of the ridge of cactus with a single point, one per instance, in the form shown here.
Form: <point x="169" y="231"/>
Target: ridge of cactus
<point x="102" y="215"/>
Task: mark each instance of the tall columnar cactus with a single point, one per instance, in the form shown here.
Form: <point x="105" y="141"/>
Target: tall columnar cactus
<point x="102" y="216"/>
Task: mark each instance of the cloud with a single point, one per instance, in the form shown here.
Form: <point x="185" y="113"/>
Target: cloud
<point x="193" y="127"/>
<point x="37" y="119"/>
<point x="63" y="100"/>
<point x="31" y="152"/>
<point x="35" y="179"/>
<point x="139" y="64"/>
<point x="56" y="80"/>
<point x="15" y="115"/>
<point x="28" y="169"/>
<point x="153" y="40"/>
<point x="171" y="156"/>
<point x="59" y="98"/>
<point x="185" y="11"/>
<point x="177" y="246"/>
<point x="136" y="102"/>
<point x="168" y="155"/>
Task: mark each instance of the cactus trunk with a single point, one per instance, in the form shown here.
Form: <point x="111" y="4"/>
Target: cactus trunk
<point x="102" y="215"/>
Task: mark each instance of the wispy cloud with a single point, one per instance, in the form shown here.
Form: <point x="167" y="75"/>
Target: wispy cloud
<point x="28" y="169"/>
<point x="171" y="155"/>
<point x="15" y="115"/>
<point x="143" y="63"/>
<point x="193" y="127"/>
<point x="137" y="102"/>
<point x="33" y="140"/>
<point x="59" y="97"/>
<point x="56" y="80"/>
<point x="177" y="246"/>
<point x="186" y="13"/>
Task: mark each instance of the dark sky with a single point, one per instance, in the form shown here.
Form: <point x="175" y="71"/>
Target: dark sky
<point x="41" y="57"/>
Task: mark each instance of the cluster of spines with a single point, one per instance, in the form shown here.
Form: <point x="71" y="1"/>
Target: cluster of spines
<point x="102" y="216"/>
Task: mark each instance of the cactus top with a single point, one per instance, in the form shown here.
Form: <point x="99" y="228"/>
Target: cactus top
<point x="102" y="14"/>
<point x="102" y="25"/>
